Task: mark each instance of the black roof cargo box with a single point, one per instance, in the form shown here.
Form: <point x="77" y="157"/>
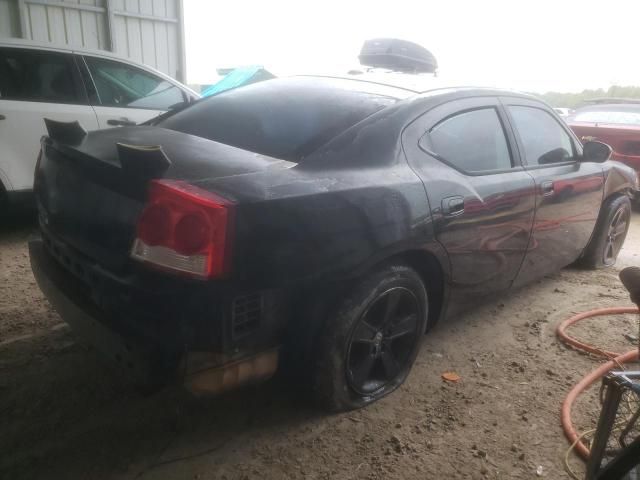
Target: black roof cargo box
<point x="397" y="55"/>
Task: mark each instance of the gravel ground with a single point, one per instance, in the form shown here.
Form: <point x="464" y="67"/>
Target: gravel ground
<point x="63" y="414"/>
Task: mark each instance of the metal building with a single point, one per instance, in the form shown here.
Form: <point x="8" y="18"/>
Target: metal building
<point x="147" y="31"/>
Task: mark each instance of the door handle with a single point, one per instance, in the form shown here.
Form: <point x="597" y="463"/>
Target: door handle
<point x="124" y="122"/>
<point x="453" y="206"/>
<point x="2" y="117"/>
<point x="547" y="188"/>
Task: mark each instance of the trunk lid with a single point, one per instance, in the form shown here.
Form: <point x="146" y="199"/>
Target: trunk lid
<point x="88" y="201"/>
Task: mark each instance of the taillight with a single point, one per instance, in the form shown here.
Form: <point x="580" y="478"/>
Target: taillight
<point x="185" y="229"/>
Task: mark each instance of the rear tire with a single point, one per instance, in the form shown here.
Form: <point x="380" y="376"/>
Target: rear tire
<point x="369" y="345"/>
<point x="4" y="202"/>
<point x="609" y="234"/>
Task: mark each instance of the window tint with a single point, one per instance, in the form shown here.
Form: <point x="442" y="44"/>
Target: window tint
<point x="286" y="118"/>
<point x="544" y="140"/>
<point x="121" y="85"/>
<point x="472" y="141"/>
<point x="37" y="76"/>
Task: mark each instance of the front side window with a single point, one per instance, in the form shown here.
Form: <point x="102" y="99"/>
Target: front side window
<point x="37" y="76"/>
<point x="472" y="141"/>
<point x="544" y="140"/>
<point x="121" y="85"/>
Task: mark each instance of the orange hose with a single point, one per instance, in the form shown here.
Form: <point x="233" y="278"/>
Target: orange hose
<point x="564" y="337"/>
<point x="592" y="377"/>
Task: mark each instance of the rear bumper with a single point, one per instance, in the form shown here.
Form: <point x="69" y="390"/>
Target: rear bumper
<point x="146" y="363"/>
<point x="161" y="349"/>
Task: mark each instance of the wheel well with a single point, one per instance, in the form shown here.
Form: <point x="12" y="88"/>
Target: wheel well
<point x="314" y="306"/>
<point x="430" y="270"/>
<point x="4" y="197"/>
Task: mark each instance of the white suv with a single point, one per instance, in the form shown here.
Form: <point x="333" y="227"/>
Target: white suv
<point x="98" y="89"/>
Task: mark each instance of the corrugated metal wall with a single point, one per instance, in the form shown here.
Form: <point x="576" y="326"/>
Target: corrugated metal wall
<point x="147" y="31"/>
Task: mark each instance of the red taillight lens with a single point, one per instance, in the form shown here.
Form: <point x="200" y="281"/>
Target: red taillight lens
<point x="185" y="229"/>
<point x="154" y="225"/>
<point x="191" y="233"/>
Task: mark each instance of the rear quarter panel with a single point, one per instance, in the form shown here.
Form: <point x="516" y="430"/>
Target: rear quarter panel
<point x="331" y="217"/>
<point x="324" y="225"/>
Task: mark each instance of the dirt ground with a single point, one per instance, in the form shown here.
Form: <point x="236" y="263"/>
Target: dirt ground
<point x="63" y="414"/>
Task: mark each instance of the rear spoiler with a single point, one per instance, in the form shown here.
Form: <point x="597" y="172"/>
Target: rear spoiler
<point x="148" y="161"/>
<point x="70" y="133"/>
<point x="141" y="161"/>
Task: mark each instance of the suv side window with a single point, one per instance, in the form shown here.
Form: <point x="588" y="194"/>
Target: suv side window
<point x="35" y="76"/>
<point x="473" y="141"/>
<point x="543" y="138"/>
<point x="125" y="86"/>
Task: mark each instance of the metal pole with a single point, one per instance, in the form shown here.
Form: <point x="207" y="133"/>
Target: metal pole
<point x="610" y="405"/>
<point x="182" y="73"/>
<point x="111" y="38"/>
<point x="22" y="18"/>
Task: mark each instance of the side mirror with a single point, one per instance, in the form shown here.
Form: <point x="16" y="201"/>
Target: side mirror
<point x="598" y="152"/>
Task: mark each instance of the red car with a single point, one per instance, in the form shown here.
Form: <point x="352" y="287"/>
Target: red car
<point x="615" y="124"/>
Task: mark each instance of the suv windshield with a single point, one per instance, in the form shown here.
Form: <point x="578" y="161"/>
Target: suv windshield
<point x="283" y="118"/>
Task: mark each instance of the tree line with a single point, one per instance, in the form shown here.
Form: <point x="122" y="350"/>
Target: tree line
<point x="573" y="100"/>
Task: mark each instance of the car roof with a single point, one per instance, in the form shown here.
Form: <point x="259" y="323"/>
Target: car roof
<point x="34" y="45"/>
<point x="399" y="87"/>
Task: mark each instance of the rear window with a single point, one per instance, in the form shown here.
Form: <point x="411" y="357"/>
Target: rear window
<point x="282" y="118"/>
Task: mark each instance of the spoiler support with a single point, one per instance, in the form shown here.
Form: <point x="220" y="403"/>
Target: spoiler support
<point x="146" y="161"/>
<point x="70" y="133"/>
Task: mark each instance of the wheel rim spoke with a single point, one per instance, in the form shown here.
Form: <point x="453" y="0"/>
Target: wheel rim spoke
<point x="608" y="250"/>
<point x="390" y="364"/>
<point x="393" y="298"/>
<point x="361" y="372"/>
<point x="404" y="327"/>
<point x="619" y="229"/>
<point x="364" y="333"/>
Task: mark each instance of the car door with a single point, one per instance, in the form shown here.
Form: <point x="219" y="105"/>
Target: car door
<point x="481" y="198"/>
<point x="568" y="193"/>
<point x="33" y="85"/>
<point x="122" y="94"/>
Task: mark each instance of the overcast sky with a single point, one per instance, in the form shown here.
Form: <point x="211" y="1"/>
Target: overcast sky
<point x="531" y="45"/>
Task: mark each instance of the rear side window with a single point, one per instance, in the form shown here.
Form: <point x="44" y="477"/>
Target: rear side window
<point x="472" y="141"/>
<point x="544" y="140"/>
<point x="125" y="86"/>
<point x="283" y="118"/>
<point x="37" y="76"/>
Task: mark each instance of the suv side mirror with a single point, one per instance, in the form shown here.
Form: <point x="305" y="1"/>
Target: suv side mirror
<point x="598" y="152"/>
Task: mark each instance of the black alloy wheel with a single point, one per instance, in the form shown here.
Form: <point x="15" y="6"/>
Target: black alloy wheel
<point x="370" y="341"/>
<point x="382" y="341"/>
<point x="609" y="233"/>
<point x="616" y="234"/>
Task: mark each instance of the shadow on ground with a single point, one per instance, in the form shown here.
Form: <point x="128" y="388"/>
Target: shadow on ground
<point x="67" y="415"/>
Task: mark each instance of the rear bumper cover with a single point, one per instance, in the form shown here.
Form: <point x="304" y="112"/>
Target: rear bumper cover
<point x="156" y="354"/>
<point x="83" y="317"/>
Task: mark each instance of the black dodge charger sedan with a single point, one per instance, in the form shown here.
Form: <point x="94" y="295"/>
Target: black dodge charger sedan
<point x="311" y="222"/>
